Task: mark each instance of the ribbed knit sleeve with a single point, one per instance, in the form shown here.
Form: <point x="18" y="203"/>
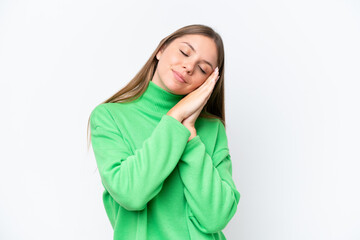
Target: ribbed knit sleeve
<point x="134" y="179"/>
<point x="209" y="188"/>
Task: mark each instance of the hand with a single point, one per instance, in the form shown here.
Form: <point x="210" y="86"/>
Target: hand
<point x="193" y="133"/>
<point x="189" y="123"/>
<point x="194" y="101"/>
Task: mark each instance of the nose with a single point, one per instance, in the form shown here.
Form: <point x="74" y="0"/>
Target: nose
<point x="188" y="66"/>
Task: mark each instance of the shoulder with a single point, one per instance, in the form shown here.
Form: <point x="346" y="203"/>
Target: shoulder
<point x="106" y="109"/>
<point x="103" y="112"/>
<point x="99" y="115"/>
<point x="114" y="114"/>
<point x="100" y="109"/>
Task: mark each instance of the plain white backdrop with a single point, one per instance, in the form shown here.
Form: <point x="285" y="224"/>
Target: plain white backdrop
<point x="292" y="72"/>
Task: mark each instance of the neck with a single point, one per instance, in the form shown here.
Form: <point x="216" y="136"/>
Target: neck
<point x="157" y="99"/>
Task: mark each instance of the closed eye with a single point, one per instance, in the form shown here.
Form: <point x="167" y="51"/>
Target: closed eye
<point x="183" y="53"/>
<point x="199" y="66"/>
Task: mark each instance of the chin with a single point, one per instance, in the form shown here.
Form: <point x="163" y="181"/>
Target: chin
<point x="173" y="88"/>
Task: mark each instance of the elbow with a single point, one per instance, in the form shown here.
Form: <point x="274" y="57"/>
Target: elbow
<point x="133" y="204"/>
<point x="213" y="226"/>
<point x="130" y="200"/>
<point x="214" y="222"/>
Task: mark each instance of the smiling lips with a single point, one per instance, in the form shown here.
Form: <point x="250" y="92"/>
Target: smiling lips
<point x="179" y="77"/>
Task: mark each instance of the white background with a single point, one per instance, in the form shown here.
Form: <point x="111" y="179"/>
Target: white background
<point x="292" y="110"/>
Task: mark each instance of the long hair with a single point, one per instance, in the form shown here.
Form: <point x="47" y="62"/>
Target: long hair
<point x="215" y="106"/>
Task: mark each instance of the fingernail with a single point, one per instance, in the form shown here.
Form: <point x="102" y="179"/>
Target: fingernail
<point x="216" y="69"/>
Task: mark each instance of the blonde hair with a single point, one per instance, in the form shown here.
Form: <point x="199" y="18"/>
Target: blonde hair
<point x="215" y="106"/>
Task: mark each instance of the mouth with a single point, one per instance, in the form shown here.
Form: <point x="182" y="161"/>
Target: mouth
<point x="179" y="77"/>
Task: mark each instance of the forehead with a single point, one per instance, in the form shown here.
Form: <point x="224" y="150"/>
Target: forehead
<point x="204" y="46"/>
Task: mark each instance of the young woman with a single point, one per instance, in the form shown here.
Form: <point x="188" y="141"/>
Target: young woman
<point x="161" y="147"/>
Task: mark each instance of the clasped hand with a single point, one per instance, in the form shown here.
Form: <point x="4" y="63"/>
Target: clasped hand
<point x="189" y="108"/>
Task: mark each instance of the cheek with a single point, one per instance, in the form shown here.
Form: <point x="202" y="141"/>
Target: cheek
<point x="173" y="60"/>
<point x="172" y="57"/>
<point x="166" y="62"/>
<point x="163" y="65"/>
<point x="201" y="79"/>
<point x="198" y="82"/>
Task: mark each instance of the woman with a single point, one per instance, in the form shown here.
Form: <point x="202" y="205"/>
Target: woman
<point x="161" y="147"/>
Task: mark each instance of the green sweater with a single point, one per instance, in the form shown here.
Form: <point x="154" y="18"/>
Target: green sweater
<point x="157" y="185"/>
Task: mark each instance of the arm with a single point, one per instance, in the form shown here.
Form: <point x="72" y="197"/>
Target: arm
<point x="133" y="179"/>
<point x="209" y="188"/>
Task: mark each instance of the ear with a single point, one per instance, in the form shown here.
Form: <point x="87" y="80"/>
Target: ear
<point x="160" y="52"/>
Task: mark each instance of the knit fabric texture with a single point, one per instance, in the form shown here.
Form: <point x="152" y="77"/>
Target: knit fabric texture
<point x="157" y="184"/>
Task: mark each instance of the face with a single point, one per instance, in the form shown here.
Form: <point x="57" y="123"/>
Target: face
<point x="191" y="57"/>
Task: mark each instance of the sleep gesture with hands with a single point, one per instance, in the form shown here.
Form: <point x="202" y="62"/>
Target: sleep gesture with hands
<point x="189" y="108"/>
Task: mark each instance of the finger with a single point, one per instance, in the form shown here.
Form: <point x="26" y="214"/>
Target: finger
<point x="211" y="89"/>
<point x="212" y="85"/>
<point x="211" y="78"/>
<point x="214" y="75"/>
<point x="206" y="88"/>
<point x="207" y="94"/>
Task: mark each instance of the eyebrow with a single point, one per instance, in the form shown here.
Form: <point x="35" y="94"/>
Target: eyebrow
<point x="195" y="51"/>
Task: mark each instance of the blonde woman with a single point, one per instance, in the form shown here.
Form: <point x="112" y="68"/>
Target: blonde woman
<point x="161" y="147"/>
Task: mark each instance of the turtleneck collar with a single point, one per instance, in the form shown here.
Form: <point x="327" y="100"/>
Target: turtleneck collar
<point x="157" y="99"/>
